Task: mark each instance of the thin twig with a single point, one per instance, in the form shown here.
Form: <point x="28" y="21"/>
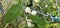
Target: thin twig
<point x="6" y="25"/>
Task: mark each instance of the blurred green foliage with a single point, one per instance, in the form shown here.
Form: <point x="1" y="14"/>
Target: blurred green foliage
<point x="17" y="10"/>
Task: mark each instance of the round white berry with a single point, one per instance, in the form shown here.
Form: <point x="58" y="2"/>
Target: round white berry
<point x="34" y="12"/>
<point x="36" y="1"/>
<point x="29" y="20"/>
<point x="46" y="5"/>
<point x="28" y="10"/>
<point x="29" y="24"/>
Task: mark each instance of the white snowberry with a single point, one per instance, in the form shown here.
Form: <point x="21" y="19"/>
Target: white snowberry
<point x="28" y="10"/>
<point x="34" y="12"/>
<point x="29" y="20"/>
<point x="46" y="5"/>
<point x="36" y="1"/>
<point x="29" y="24"/>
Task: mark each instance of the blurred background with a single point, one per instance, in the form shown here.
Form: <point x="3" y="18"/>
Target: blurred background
<point x="29" y="13"/>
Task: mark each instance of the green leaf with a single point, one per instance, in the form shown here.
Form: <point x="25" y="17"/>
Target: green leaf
<point x="13" y="12"/>
<point x="41" y="23"/>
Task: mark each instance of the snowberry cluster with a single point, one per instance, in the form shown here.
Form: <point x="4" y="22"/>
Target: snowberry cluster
<point x="29" y="22"/>
<point x="29" y="11"/>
